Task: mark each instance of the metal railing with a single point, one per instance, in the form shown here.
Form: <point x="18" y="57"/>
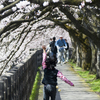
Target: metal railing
<point x="18" y="82"/>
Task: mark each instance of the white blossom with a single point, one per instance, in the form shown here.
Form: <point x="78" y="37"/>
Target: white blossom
<point x="14" y="8"/>
<point x="11" y="0"/>
<point x="89" y="1"/>
<point x="55" y="1"/>
<point x="27" y="17"/>
<point x="1" y="6"/>
<point x="39" y="12"/>
<point x="83" y="4"/>
<point x="46" y="3"/>
<point x="19" y="5"/>
<point x="80" y="6"/>
<point x="26" y="3"/>
<point x="22" y="4"/>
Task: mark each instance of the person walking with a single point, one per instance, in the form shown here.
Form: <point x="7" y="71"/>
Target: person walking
<point x="61" y="45"/>
<point x="50" y="76"/>
<point x="48" y="49"/>
<point x="53" y="48"/>
<point x="66" y="52"/>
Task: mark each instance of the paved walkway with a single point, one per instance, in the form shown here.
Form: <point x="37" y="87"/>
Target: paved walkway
<point x="80" y="91"/>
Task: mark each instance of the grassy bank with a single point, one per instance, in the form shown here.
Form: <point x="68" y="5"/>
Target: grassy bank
<point x="35" y="88"/>
<point x="89" y="78"/>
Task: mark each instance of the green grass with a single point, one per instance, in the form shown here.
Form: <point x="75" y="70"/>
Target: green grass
<point x="89" y="78"/>
<point x="35" y="88"/>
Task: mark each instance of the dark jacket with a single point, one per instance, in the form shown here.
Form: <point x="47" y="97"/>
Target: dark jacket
<point x="53" y="47"/>
<point x="50" y="76"/>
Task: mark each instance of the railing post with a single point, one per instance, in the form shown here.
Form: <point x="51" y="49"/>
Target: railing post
<point x="5" y="80"/>
<point x="1" y="90"/>
<point x="9" y="76"/>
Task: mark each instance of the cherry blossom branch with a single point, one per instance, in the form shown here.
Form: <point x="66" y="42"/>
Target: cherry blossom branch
<point x="9" y="6"/>
<point x="83" y="30"/>
<point x="14" y="52"/>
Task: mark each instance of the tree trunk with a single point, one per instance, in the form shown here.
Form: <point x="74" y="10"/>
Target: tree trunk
<point x="86" y="59"/>
<point x="86" y="54"/>
<point x="98" y="64"/>
<point x="78" y="54"/>
<point x="73" y="57"/>
<point x="93" y="68"/>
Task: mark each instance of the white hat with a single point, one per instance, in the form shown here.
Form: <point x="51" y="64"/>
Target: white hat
<point x="60" y="36"/>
